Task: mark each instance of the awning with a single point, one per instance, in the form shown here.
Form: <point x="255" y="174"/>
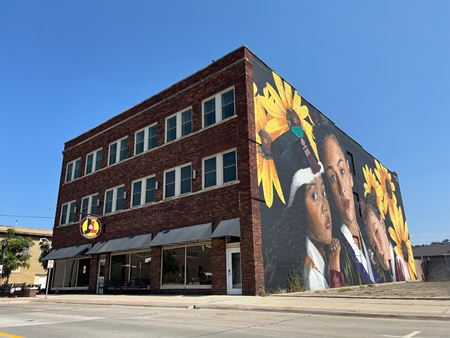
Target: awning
<point x="69" y="252"/>
<point x="122" y="244"/>
<point x="228" y="227"/>
<point x="198" y="232"/>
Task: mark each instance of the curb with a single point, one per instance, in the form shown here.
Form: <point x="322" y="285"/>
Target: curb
<point x="410" y="316"/>
<point x="306" y="311"/>
<point x="364" y="297"/>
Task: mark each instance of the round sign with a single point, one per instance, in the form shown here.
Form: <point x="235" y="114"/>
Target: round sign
<point x="90" y="227"/>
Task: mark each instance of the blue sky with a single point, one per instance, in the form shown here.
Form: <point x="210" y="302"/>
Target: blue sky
<point x="381" y="71"/>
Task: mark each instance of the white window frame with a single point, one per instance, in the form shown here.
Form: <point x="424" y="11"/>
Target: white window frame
<point x="146" y="131"/>
<point x="68" y="213"/>
<point x="179" y="124"/>
<point x="90" y="198"/>
<point x="64" y="276"/>
<point x="219" y="168"/>
<point x="177" y="180"/>
<point x="94" y="161"/>
<point x="218" y="103"/>
<point x="114" y="199"/>
<point x="119" y="141"/>
<point x="72" y="176"/>
<point x="143" y="191"/>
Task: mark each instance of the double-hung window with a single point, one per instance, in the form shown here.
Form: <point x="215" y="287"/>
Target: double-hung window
<point x="146" y="139"/>
<point x="178" y="181"/>
<point x="143" y="191"/>
<point x="68" y="211"/>
<point x="219" y="169"/>
<point x="114" y="199"/>
<point x="179" y="125"/>
<point x="218" y="107"/>
<point x="73" y="170"/>
<point x="94" y="161"/>
<point x="89" y="205"/>
<point x="118" y="151"/>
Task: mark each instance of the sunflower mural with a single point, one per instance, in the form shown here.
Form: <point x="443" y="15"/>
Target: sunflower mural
<point x="387" y="189"/>
<point x="371" y="186"/>
<point x="267" y="172"/>
<point x="400" y="235"/>
<point x="284" y="106"/>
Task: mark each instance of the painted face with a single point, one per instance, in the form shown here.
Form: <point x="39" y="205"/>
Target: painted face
<point x="318" y="210"/>
<point x="376" y="232"/>
<point x="341" y="180"/>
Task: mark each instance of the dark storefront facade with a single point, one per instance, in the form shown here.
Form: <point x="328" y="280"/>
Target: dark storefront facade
<point x="203" y="188"/>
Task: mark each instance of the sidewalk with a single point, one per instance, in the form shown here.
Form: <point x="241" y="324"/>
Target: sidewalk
<point x="382" y="308"/>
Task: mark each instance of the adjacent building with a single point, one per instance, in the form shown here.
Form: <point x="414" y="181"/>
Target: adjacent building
<point x="227" y="182"/>
<point x="435" y="260"/>
<point x="35" y="274"/>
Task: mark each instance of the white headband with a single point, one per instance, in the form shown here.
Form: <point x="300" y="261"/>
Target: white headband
<point x="301" y="177"/>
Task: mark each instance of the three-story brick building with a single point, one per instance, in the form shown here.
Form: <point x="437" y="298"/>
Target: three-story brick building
<point x="191" y="187"/>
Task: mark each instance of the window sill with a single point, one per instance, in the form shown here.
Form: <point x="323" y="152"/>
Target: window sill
<point x="183" y="287"/>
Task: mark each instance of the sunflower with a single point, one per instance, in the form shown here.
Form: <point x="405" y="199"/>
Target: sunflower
<point x="387" y="189"/>
<point x="267" y="172"/>
<point x="285" y="109"/>
<point x="371" y="186"/>
<point x="400" y="235"/>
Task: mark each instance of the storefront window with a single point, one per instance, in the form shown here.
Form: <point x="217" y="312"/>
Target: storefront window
<point x="71" y="273"/>
<point x="140" y="269"/>
<point x="119" y="270"/>
<point x="187" y="266"/>
<point x="173" y="266"/>
<point x="198" y="265"/>
<point x="58" y="274"/>
<point x="131" y="270"/>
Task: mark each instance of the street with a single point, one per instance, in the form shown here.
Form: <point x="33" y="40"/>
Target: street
<point x="71" y="320"/>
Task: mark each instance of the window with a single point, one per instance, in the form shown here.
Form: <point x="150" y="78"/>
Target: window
<point x="178" y="181"/>
<point x="351" y="164"/>
<point x="118" y="151"/>
<point x="146" y="139"/>
<point x="71" y="273"/>
<point x="219" y="169"/>
<point x="131" y="269"/>
<point x="115" y="199"/>
<point x="68" y="213"/>
<point x="179" y="125"/>
<point x="73" y="170"/>
<point x="89" y="205"/>
<point x="187" y="266"/>
<point x="94" y="161"/>
<point x="143" y="191"/>
<point x="219" y="107"/>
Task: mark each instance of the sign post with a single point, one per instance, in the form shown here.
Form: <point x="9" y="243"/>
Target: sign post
<point x="50" y="264"/>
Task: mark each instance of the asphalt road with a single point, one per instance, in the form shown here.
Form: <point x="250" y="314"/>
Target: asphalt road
<point x="67" y="320"/>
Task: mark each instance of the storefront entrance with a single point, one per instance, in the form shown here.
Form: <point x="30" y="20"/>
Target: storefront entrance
<point x="234" y="282"/>
<point x="101" y="276"/>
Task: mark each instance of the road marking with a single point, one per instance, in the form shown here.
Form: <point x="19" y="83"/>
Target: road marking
<point x="8" y="335"/>
<point x="409" y="335"/>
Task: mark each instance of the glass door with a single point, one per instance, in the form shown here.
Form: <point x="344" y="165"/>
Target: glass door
<point x="234" y="282"/>
<point x="101" y="276"/>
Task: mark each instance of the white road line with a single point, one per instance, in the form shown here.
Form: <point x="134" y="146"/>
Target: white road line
<point x="409" y="335"/>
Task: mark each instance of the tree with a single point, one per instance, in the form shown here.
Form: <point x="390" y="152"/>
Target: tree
<point x="45" y="246"/>
<point x="14" y="256"/>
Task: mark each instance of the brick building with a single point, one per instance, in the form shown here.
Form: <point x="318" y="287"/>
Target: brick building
<point x="35" y="274"/>
<point x="179" y="188"/>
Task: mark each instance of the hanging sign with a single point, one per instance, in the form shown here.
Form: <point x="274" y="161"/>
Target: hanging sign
<point x="90" y="227"/>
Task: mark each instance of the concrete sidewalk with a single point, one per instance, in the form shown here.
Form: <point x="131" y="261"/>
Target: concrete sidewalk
<point x="382" y="308"/>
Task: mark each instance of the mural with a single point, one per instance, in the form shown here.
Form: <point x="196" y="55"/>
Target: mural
<point x="331" y="214"/>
